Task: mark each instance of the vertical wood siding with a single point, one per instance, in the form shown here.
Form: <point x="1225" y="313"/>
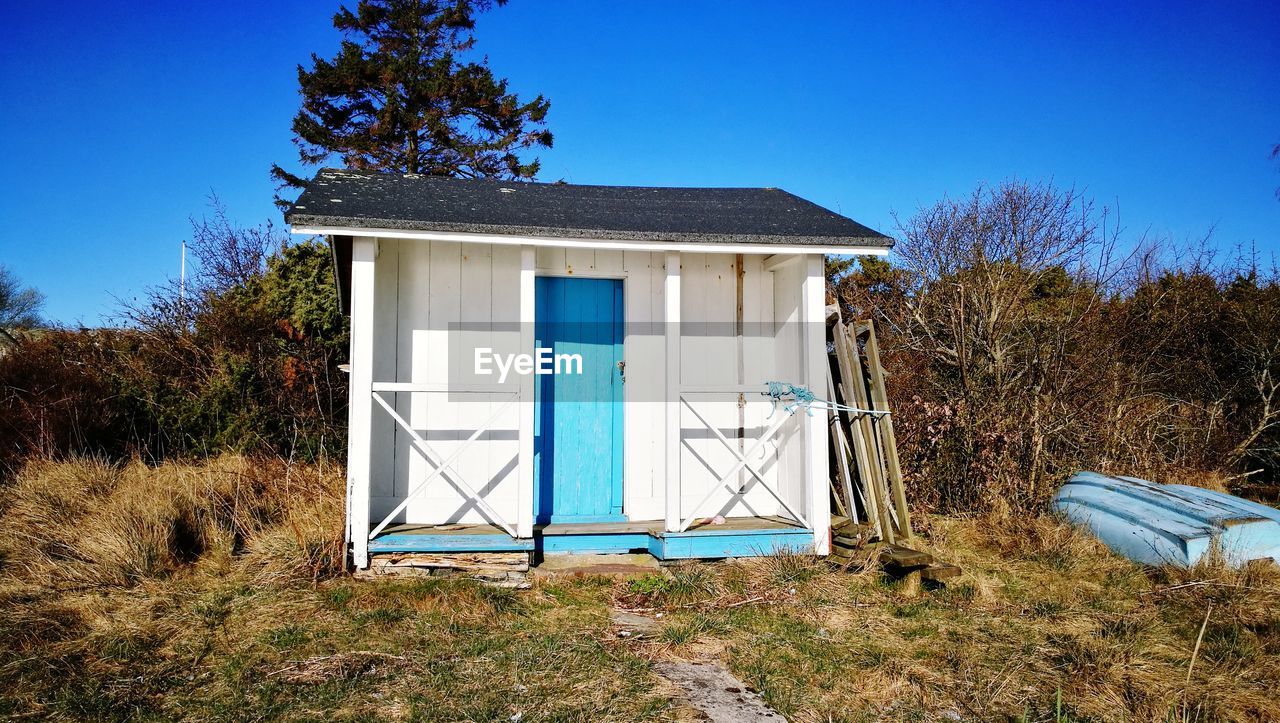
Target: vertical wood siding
<point x="423" y="287"/>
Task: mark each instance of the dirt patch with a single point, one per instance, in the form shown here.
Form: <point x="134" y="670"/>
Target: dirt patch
<point x="712" y="689"/>
<point x="629" y="624"/>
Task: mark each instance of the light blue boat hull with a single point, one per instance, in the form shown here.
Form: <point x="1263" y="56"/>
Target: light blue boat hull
<point x="1157" y="524"/>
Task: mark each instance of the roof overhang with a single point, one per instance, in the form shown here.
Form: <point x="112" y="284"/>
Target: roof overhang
<point x="836" y="246"/>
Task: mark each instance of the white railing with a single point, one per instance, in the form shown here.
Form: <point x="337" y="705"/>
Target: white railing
<point x="723" y="481"/>
<point x="443" y="466"/>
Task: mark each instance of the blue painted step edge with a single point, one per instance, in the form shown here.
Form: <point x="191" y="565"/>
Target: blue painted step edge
<point x="736" y="543"/>
<point x="694" y="544"/>
<point x="595" y="544"/>
<point x="449" y="543"/>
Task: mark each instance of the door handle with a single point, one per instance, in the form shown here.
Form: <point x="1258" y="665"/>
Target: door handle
<point x="622" y="370"/>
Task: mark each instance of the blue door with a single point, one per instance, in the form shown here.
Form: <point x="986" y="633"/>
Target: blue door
<point x="577" y="446"/>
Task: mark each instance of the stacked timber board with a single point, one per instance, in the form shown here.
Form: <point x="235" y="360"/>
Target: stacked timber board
<point x="868" y="479"/>
<point x="499" y="569"/>
<point x="849" y="541"/>
<point x="847" y="538"/>
<point x="867" y="484"/>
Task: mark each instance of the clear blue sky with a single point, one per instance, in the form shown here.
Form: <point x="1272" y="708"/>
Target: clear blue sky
<point x="119" y="118"/>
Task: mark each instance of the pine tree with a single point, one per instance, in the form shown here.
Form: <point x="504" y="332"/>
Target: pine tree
<point x="396" y="97"/>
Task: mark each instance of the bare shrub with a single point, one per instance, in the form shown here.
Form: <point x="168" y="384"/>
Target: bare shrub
<point x="244" y="358"/>
<point x="19" y="305"/>
<point x="1021" y="348"/>
<point x="1001" y="287"/>
<point x="54" y="397"/>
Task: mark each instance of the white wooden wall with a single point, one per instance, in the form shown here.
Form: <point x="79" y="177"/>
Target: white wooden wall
<point x="423" y="286"/>
<point x="710" y="356"/>
<point x="428" y="286"/>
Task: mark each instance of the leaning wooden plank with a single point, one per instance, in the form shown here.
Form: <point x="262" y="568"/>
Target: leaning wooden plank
<point x="874" y="437"/>
<point x="838" y="449"/>
<point x="847" y="450"/>
<point x="839" y="480"/>
<point x="880" y="402"/>
<point x="850" y="438"/>
<point x="847" y="363"/>
<point x="869" y="463"/>
<point x="835" y="496"/>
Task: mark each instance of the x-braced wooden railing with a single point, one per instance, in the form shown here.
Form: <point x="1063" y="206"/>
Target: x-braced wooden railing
<point x="443" y="466"/>
<point x="723" y="481"/>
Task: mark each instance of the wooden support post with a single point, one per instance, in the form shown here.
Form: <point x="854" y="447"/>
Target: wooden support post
<point x="364" y="255"/>
<point x="525" y="495"/>
<point x="813" y="315"/>
<point x="671" y="319"/>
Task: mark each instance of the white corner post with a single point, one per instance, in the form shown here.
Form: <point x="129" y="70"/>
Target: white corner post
<point x="524" y="467"/>
<point x="671" y="324"/>
<point x="364" y="255"/>
<point x="814" y="360"/>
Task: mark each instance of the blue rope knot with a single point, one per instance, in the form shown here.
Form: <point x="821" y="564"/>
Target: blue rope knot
<point x="800" y="397"/>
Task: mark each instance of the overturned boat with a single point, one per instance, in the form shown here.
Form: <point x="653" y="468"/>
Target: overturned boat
<point x="1169" y="524"/>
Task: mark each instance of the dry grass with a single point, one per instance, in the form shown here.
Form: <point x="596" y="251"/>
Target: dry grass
<point x="89" y="523"/>
<point x="1045" y="624"/>
<point x="208" y="592"/>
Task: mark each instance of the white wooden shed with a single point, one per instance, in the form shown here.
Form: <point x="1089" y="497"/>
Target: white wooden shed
<point x="661" y="314"/>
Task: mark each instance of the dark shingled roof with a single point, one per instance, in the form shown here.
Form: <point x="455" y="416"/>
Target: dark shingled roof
<point x="364" y="199"/>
